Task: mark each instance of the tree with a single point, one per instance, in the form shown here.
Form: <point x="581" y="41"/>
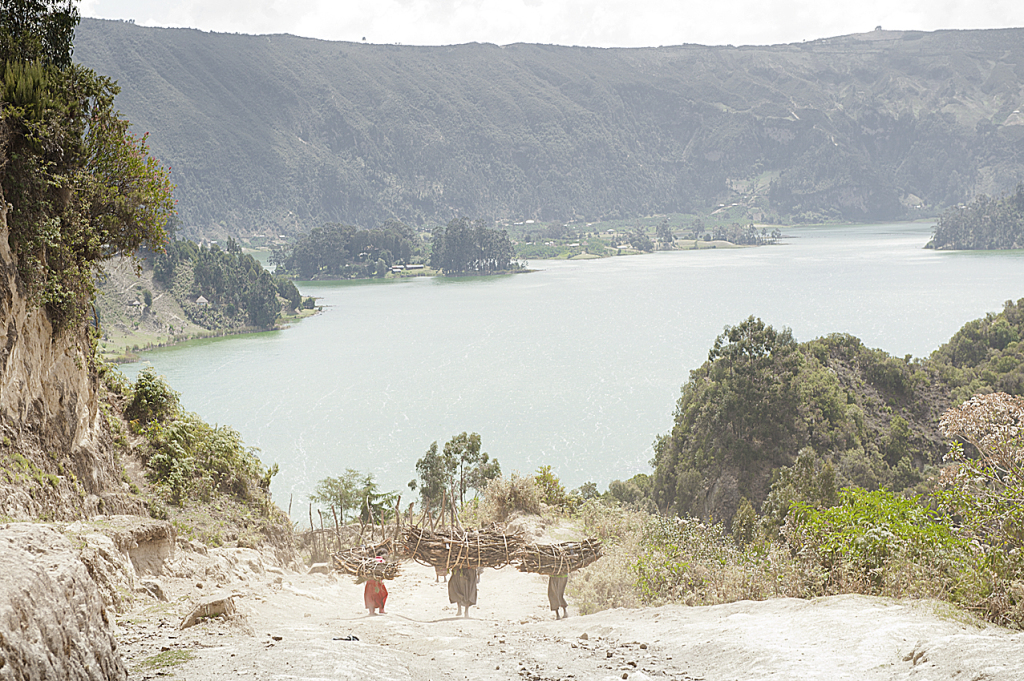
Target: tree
<point x="436" y="471"/>
<point x="809" y="480"/>
<point x="987" y="491"/>
<point x="37" y="31"/>
<point x="587" y="490"/>
<point x="552" y="491"/>
<point x="462" y="247"/>
<point x="152" y="399"/>
<point x="641" y="241"/>
<point x="375" y="506"/>
<point x="474" y="468"/>
<point x="665" y="234"/>
<point x="340" y="492"/>
<point x="737" y="410"/>
<point x="82" y="187"/>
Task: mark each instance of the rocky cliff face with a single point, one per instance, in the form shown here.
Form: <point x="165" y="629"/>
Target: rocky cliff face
<point x="57" y="458"/>
<point x="54" y="624"/>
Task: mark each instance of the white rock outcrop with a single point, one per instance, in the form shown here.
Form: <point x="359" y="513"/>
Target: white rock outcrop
<point x="54" y="623"/>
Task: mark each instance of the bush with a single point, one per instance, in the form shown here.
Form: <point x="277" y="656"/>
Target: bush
<point x="985" y="493"/>
<point x="880" y="543"/>
<point x="505" y="496"/>
<point x="152" y="399"/>
<point x="191" y="459"/>
<point x="651" y="560"/>
<point x="552" y="492"/>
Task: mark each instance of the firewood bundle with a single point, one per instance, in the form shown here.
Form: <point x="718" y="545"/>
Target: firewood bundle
<point x="362" y="563"/>
<point x="455" y="549"/>
<point x="557" y="559"/>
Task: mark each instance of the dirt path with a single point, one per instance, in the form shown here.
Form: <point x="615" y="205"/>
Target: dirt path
<point x="301" y="627"/>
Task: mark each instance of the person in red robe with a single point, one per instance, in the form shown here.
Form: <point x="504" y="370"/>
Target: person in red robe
<point x="375" y="594"/>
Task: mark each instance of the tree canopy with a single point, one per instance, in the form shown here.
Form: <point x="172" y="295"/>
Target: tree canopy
<point x="344" y="251"/>
<point x="984" y="224"/>
<point x="238" y="289"/>
<point x="38" y="31"/>
<point x="462" y="247"/>
<point x="460" y="466"/>
<point x="83" y="188"/>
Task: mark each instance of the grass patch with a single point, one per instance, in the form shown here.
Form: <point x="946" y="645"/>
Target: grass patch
<point x="167" y="658"/>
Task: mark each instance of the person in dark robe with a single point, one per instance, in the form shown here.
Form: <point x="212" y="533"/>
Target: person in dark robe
<point x="462" y="588"/>
<point x="375" y="594"/>
<point x="556" y="594"/>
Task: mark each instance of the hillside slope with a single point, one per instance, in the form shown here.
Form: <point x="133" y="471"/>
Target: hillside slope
<point x="276" y="134"/>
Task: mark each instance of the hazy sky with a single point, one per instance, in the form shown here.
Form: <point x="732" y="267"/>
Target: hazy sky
<point x="600" y="23"/>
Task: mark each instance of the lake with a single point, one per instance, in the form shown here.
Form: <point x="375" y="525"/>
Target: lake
<point x="577" y="365"/>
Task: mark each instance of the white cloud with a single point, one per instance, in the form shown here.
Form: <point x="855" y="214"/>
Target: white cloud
<point x="603" y="23"/>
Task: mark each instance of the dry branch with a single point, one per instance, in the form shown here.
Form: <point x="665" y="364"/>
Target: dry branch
<point x="557" y="559"/>
<point x="363" y="563"/>
<point x="455" y="549"/>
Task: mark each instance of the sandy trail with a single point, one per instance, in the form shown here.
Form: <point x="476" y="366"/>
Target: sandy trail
<point x="297" y="627"/>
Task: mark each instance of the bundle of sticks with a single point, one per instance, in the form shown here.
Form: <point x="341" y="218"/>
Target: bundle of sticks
<point x="557" y="559"/>
<point x="455" y="549"/>
<point x="363" y="563"/>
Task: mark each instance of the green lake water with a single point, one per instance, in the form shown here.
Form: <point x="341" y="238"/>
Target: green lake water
<point x="577" y="365"/>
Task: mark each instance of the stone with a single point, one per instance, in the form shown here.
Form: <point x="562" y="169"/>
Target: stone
<point x="320" y="569"/>
<point x="53" y="620"/>
<point x="212" y="606"/>
<point x="153" y="588"/>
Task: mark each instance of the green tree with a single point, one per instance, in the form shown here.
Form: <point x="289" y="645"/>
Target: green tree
<point x="375" y="506"/>
<point x="462" y="247"/>
<point x="341" y="492"/>
<point x="82" y="187"/>
<point x="665" y="234"/>
<point x="635" y="492"/>
<point x="436" y="471"/>
<point x="551" y="489"/>
<point x="152" y="399"/>
<point x="38" y="31"/>
<point x="744" y="523"/>
<point x="473" y="467"/>
<point x="587" y="491"/>
<point x="641" y="241"/>
<point x="809" y="480"/>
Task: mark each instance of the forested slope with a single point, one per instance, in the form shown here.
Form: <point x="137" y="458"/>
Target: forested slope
<point x="277" y="134"/>
<point x="762" y="398"/>
<point x="986" y="223"/>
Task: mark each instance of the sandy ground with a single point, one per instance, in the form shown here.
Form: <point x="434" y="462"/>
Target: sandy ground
<point x="304" y="627"/>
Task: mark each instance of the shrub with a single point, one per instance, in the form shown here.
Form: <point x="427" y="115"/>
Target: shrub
<point x="881" y="543"/>
<point x="191" y="459"/>
<point x="152" y="399"/>
<point x="986" y="494"/>
<point x="551" y="489"/>
<point x="505" y="496"/>
<point x="651" y="559"/>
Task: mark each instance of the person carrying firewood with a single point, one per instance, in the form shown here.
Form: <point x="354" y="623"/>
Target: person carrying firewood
<point x="375" y="594"/>
<point x="462" y="588"/>
<point x="556" y="593"/>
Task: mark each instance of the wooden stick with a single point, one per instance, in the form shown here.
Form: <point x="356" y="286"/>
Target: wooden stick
<point x="312" y="533"/>
<point x="337" y="531"/>
<point x="369" y="510"/>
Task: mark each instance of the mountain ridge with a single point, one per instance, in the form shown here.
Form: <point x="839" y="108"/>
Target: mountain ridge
<point x="278" y="133"/>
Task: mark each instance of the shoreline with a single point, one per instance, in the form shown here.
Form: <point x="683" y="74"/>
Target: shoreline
<point x="136" y="355"/>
